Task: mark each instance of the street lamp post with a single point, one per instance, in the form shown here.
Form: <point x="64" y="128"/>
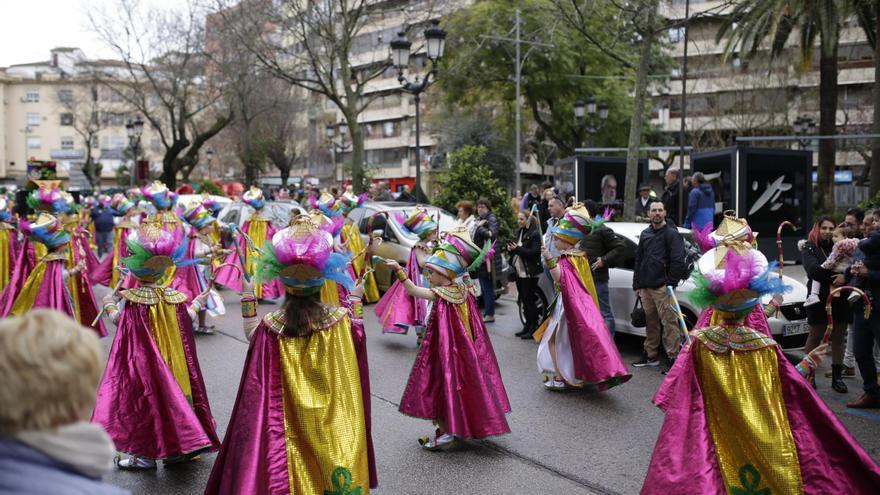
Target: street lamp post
<point x="435" y="41"/>
<point x="209" y="154"/>
<point x="135" y="130"/>
<point x="341" y="147"/>
<point x="595" y="118"/>
<point x="804" y="126"/>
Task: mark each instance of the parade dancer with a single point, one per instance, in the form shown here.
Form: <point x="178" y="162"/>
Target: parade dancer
<point x="397" y="310"/>
<point x="163" y="200"/>
<point x="9" y="245"/>
<point x="351" y="237"/>
<point x="455" y="380"/>
<point x="576" y="349"/>
<point x="298" y="424"/>
<point x="192" y="280"/>
<point x="256" y="233"/>
<point x="740" y="418"/>
<point x="107" y="273"/>
<point x="152" y="399"/>
<point x="46" y="285"/>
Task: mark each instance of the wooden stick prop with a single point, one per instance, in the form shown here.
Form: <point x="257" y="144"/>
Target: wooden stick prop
<point x="673" y="301"/>
<point x="533" y="214"/>
<point x="779" y="243"/>
<point x="213" y="273"/>
<point x="830" y="326"/>
<point x="367" y="249"/>
<point x="122" y="274"/>
<point x="234" y="228"/>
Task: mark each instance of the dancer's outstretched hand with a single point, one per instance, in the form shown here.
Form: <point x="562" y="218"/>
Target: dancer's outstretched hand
<point x="393" y="265"/>
<point x="358" y="290"/>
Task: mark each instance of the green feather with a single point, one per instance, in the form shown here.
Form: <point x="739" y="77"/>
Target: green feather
<point x="701" y="296"/>
<point x="137" y="255"/>
<point x="268" y="267"/>
<point x="482" y="256"/>
<point x="32" y="201"/>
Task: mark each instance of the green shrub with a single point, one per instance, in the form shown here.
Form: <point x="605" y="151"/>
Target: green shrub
<point x="210" y="187"/>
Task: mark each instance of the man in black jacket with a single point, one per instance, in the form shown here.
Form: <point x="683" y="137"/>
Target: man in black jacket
<point x="603" y="248"/>
<point x="660" y="261"/>
<point x="671" y="194"/>
<point x="487" y="231"/>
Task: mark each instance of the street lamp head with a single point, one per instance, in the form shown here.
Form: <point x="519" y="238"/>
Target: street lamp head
<point x="811" y="127"/>
<point x="400" y="51"/>
<point x="435" y="37"/>
<point x="209" y="153"/>
<point x="129" y="128"/>
<point x="343" y="129"/>
<point x="330" y="131"/>
<point x="603" y="111"/>
<point x="579" y="109"/>
<point x="138" y="127"/>
<point x="591" y="105"/>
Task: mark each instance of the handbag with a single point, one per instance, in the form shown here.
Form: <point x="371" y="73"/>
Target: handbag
<point x="637" y="316"/>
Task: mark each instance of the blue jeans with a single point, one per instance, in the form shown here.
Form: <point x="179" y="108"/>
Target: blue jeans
<point x="488" y="292"/>
<point x="104" y="241"/>
<point x="605" y="304"/>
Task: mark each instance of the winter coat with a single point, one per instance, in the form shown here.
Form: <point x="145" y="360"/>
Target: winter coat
<point x="529" y="252"/>
<point x="483" y="233"/>
<point x="604" y="243"/>
<point x="812" y="257"/>
<point x="701" y="207"/>
<point x="670" y="201"/>
<point x="660" y="258"/>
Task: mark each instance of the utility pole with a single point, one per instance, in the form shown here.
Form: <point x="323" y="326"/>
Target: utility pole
<point x="517" y="41"/>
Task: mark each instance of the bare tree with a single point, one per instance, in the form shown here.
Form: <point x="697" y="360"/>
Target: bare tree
<point x="163" y="77"/>
<point x="310" y="45"/>
<point x="82" y="113"/>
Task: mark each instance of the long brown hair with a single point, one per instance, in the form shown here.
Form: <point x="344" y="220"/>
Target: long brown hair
<point x="300" y="312"/>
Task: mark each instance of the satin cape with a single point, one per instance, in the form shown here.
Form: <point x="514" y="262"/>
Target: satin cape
<point x="297" y="426"/>
<point x="9" y="248"/>
<point x="260" y="231"/>
<point x="44" y="288"/>
<point x="152" y="399"/>
<point x="585" y="350"/>
<point x="684" y="460"/>
<point x="80" y="285"/>
<point x="398" y="307"/>
<point x="22" y="266"/>
<point x="351" y="236"/>
<point x="455" y="378"/>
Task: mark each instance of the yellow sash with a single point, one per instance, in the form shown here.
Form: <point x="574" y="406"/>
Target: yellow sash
<point x="356" y="246"/>
<point x="257" y="232"/>
<point x="165" y="331"/>
<point x="330" y="294"/>
<point x="5" y="265"/>
<point x="28" y="294"/>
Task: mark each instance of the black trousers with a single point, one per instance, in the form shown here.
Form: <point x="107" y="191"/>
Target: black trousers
<point x="527" y="288"/>
<point x="865" y="331"/>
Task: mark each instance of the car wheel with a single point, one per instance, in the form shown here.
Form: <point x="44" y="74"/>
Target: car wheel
<point x="540" y="301"/>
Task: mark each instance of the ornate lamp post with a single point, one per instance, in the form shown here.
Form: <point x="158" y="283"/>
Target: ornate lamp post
<point x="435" y="42"/>
<point x="589" y="122"/>
<point x="209" y="154"/>
<point x="134" y="130"/>
<point x="341" y="147"/>
<point x="804" y="126"/>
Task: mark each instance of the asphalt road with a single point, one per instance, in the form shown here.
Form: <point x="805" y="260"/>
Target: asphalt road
<point x="561" y="443"/>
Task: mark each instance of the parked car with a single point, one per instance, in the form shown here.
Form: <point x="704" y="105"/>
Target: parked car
<point x="789" y="327"/>
<point x="278" y="212"/>
<point x="184" y="199"/>
<point x="397" y="244"/>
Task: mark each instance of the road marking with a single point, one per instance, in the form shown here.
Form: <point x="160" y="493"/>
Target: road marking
<point x="864" y="414"/>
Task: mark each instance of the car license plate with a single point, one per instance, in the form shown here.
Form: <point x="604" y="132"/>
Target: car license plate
<point x="794" y="329"/>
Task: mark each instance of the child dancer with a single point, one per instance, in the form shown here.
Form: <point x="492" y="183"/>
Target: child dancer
<point x="107" y="273"/>
<point x="152" y="399"/>
<point x="351" y="237"/>
<point x="256" y="233"/>
<point x="739" y="417"/>
<point x="576" y="347"/>
<point x="397" y="310"/>
<point x="193" y="280"/>
<point x="9" y="244"/>
<point x="455" y="380"/>
<point x="839" y="261"/>
<point x="298" y="423"/>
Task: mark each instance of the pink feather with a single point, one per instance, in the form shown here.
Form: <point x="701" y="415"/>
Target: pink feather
<point x="703" y="237"/>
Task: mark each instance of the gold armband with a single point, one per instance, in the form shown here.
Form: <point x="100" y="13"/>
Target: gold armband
<point x="552" y="263"/>
<point x="401" y="275"/>
<point x="248" y="308"/>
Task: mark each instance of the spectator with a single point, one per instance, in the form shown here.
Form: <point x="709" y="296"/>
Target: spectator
<point x="530" y="198"/>
<point x="51" y="367"/>
<point x="813" y="253"/>
<point x="866" y="331"/>
<point x="486" y="231"/>
<point x="701" y="204"/>
<point x="643" y="201"/>
<point x="103" y="218"/>
<point x="853" y="223"/>
<point x="283" y="194"/>
<point x="671" y="193"/>
<point x="516" y="201"/>
<point x="609" y="189"/>
<point x="556" y="208"/>
<point x="544" y="207"/>
<point x="526" y="261"/>
<point x="466" y="219"/>
<point x="603" y="248"/>
<point x="660" y="262"/>
<point x="406" y="195"/>
<point x="383" y="192"/>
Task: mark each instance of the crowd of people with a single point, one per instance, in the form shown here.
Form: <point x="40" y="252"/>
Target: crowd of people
<point x="739" y="416"/>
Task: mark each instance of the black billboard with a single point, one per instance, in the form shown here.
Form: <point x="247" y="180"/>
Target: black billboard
<point x="598" y="178"/>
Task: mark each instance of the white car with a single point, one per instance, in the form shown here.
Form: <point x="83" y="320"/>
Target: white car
<point x="789" y="327"/>
<point x="278" y="212"/>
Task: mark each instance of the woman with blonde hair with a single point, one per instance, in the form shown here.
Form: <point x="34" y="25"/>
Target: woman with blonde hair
<point x="51" y="367"/>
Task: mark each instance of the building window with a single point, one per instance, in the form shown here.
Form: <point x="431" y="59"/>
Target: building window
<point x="32" y="96"/>
<point x="117" y="142"/>
<point x="65" y="95"/>
<point x="391" y="129"/>
<point x="66" y="119"/>
<point x="676" y="35"/>
<point x="33" y="143"/>
<point x="33" y="118"/>
<point x="67" y="143"/>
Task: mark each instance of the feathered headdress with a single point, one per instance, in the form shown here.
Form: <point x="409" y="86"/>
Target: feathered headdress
<point x="458" y="254"/>
<point x="349" y="201"/>
<point x="254" y="198"/>
<point x="51" y="200"/>
<point x="576" y="224"/>
<point x="153" y="251"/>
<point x="197" y="215"/>
<point x="211" y="203"/>
<point x="120" y="204"/>
<point x="47" y="229"/>
<point x="302" y="257"/>
<point x="419" y="222"/>
<point x="326" y="203"/>
<point x="158" y="194"/>
<point x="89" y="202"/>
<point x="5" y="210"/>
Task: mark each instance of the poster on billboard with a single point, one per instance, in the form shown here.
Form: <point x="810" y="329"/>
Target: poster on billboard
<point x="602" y="179"/>
<point x="42" y="170"/>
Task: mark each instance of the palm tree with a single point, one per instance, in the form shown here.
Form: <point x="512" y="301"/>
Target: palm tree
<point x="752" y="22"/>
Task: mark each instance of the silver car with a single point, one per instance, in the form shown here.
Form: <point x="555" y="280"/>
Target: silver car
<point x="789" y="327"/>
<point x="396" y="243"/>
<point x="278" y="212"/>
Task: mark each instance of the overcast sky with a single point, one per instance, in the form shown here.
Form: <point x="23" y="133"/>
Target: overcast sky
<point x="30" y="28"/>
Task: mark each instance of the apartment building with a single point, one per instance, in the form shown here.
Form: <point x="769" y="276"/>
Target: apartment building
<point x="47" y="105"/>
<point x="732" y="96"/>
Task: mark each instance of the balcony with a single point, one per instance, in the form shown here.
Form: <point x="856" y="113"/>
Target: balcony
<point x="67" y="154"/>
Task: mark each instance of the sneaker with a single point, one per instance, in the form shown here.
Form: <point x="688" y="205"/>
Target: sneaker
<point x="440" y="442"/>
<point x="811" y="300"/>
<point x="646" y="361"/>
<point x="135" y="463"/>
<point x="553" y="384"/>
<point x="205" y="329"/>
<point x="489" y="319"/>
